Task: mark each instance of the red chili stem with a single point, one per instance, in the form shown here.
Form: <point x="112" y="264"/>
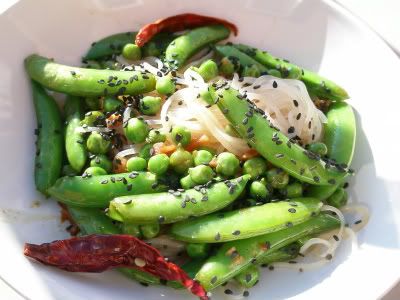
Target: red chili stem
<point x="178" y="23"/>
<point x="98" y="253"/>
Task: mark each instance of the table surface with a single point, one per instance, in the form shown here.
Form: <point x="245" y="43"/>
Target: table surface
<point x="382" y="16"/>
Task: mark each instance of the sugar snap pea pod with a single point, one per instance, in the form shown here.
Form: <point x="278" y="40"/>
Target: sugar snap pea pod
<point x="235" y="256"/>
<point x="87" y="82"/>
<point x="287" y="69"/>
<point x="184" y="46"/>
<point x="244" y="59"/>
<point x="247" y="222"/>
<point x="74" y="146"/>
<point x="97" y="191"/>
<point x="252" y="125"/>
<point x="176" y="206"/>
<point x="109" y="45"/>
<point x="316" y="84"/>
<point x="340" y="138"/>
<point x="49" y="145"/>
<point x="94" y="221"/>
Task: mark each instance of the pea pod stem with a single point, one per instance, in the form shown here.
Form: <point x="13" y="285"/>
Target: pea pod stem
<point x="316" y="84"/>
<point x="49" y="152"/>
<point x="98" y="191"/>
<point x="340" y="138"/>
<point x="235" y="256"/>
<point x="262" y="136"/>
<point x="247" y="222"/>
<point x="176" y="206"/>
<point x="87" y="82"/>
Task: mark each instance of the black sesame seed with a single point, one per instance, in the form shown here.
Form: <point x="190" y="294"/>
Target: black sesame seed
<point x="357" y="222"/>
<point x="245" y="121"/>
<point x="302" y="170"/>
<point x="213" y="279"/>
<point x="279" y="155"/>
<point x="289" y="224"/>
<point x="332" y="181"/>
<point x="292" y="210"/>
<point x="73" y="73"/>
<point x="335" y="237"/>
<point x="217" y="237"/>
<point x="274" y="84"/>
<point x="228" y="292"/>
<point x="296" y="104"/>
<point x="291" y="129"/>
<point x="256" y="87"/>
<point x="129" y="187"/>
<point x="292" y="262"/>
<point x="105" y="181"/>
<point x="236" y="232"/>
<point x="248" y="277"/>
<point x="161" y="219"/>
<point x="205" y="198"/>
<point x="253" y="260"/>
<point x="298" y="116"/>
<point x="316" y="178"/>
<point x="246" y="293"/>
<point x="271" y="268"/>
<point x="329" y="256"/>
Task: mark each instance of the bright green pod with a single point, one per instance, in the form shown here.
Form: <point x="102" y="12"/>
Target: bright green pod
<point x="97" y="191"/>
<point x="176" y="206"/>
<point x="87" y="82"/>
<point x="246" y="222"/>
<point x="235" y="256"/>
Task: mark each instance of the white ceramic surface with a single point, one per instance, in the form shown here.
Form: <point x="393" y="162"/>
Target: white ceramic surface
<point x="316" y="34"/>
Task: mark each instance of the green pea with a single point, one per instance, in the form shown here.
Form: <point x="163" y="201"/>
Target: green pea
<point x="206" y="96"/>
<point x="112" y="104"/>
<point x="255" y="167"/>
<point x="93" y="118"/>
<point x="249" y="277"/>
<point x="98" y="143"/>
<point x="181" y="160"/>
<point x="146" y="152"/>
<point x="200" y="250"/>
<point x="67" y="170"/>
<point x="258" y="190"/>
<point x="150" y="105"/>
<point x="181" y="135"/>
<point x="275" y="73"/>
<point x="165" y="85"/>
<point x="229" y="129"/>
<point x="132" y="229"/>
<point x="155" y="136"/>
<point x="150" y="231"/>
<point x="319" y="148"/>
<point x="187" y="182"/>
<point x="201" y="174"/>
<point x="251" y="71"/>
<point x="136" y="130"/>
<point x="202" y="157"/>
<point x="131" y="52"/>
<point x="93" y="103"/>
<point x="227" y="164"/>
<point x="293" y="190"/>
<point x="338" y="198"/>
<point x="208" y="70"/>
<point x="229" y="65"/>
<point x="136" y="164"/>
<point x="158" y="164"/>
<point x="277" y="178"/>
<point x="101" y="161"/>
<point x="95" y="171"/>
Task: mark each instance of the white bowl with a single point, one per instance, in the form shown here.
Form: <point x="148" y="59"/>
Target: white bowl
<point x="318" y="35"/>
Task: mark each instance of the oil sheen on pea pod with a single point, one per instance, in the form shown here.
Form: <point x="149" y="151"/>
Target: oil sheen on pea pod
<point x="246" y="222"/>
<point x="94" y="221"/>
<point x="186" y="45"/>
<point x="262" y="136"/>
<point x="235" y="256"/>
<point x="340" y="138"/>
<point x="87" y="82"/>
<point x="49" y="149"/>
<point x="176" y="206"/>
<point x="98" y="191"/>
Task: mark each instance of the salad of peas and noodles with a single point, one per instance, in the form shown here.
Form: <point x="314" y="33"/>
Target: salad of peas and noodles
<point x="185" y="160"/>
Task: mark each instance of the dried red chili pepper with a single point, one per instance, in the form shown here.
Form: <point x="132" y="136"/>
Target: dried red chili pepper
<point x="178" y="23"/>
<point x="98" y="253"/>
